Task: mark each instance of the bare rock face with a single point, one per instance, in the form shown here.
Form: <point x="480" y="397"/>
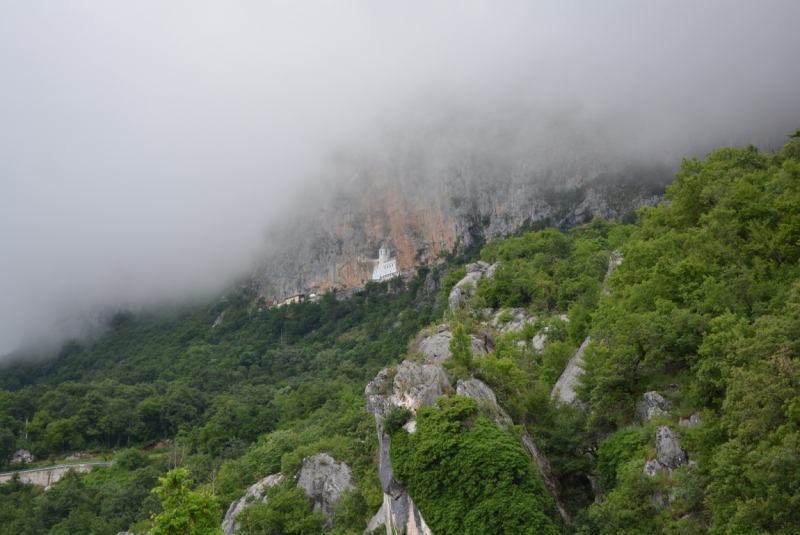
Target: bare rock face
<point x="668" y="450"/>
<point x="436" y="348"/>
<point x="395" y="510"/>
<point x="692" y="421"/>
<point x="564" y="389"/>
<point x="484" y="396"/>
<point x="424" y="201"/>
<point x="669" y="454"/>
<point x="491" y="269"/>
<point x="652" y="404"/>
<point x="255" y="494"/>
<point x="324" y="481"/>
<point x="519" y="317"/>
<point x="430" y="286"/>
<point x="652" y="468"/>
<point x="614" y="261"/>
<point x="22" y="457"/>
<point x="464" y="289"/>
<point x="467" y="286"/>
<point x="413" y="386"/>
<point x="418" y="384"/>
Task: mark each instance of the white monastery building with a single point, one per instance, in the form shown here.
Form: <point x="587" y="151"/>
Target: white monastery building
<point x="385" y="268"/>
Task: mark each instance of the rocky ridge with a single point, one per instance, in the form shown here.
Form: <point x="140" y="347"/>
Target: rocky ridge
<point x="419" y="383"/>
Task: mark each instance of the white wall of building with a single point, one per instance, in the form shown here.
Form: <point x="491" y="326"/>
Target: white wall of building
<point x="386" y="266"/>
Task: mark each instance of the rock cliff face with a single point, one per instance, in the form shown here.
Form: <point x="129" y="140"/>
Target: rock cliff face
<point x="323" y="479"/>
<point x="420" y="205"/>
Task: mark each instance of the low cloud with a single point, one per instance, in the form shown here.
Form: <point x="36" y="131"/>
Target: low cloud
<point x="145" y="147"/>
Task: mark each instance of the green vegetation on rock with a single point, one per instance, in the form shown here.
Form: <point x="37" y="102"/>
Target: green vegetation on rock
<point x="468" y="476"/>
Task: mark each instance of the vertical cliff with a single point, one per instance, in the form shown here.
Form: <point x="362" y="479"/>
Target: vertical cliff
<point x="420" y="207"/>
<point x="438" y="193"/>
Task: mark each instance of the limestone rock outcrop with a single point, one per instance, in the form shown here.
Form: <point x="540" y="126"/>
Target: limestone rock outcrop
<point x="436" y="348"/>
<point x="414" y="385"/>
<point x="323" y="479"/>
<point x="692" y="421"/>
<point x="669" y="454"/>
<point x="614" y="261"/>
<point x="518" y="318"/>
<point x="487" y="401"/>
<point x="255" y="494"/>
<point x="652" y="404"/>
<point x="668" y="449"/>
<point x="652" y="468"/>
<point x="22" y="456"/>
<point x="419" y="384"/>
<point x="467" y="286"/>
<point x="564" y="389"/>
<point x="421" y="203"/>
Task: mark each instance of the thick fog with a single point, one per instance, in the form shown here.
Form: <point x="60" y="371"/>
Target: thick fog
<point x="145" y="147"/>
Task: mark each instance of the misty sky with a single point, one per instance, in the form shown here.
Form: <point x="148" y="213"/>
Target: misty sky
<point x="145" y="146"/>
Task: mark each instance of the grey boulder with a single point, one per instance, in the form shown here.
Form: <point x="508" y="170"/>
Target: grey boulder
<point x="467" y="286"/>
<point x="692" y="421"/>
<point x="652" y="468"/>
<point x="668" y="450"/>
<point x="324" y="481"/>
<point x="255" y="494"/>
<point x="652" y="404"/>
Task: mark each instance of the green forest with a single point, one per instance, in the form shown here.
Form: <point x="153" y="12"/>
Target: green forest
<point x="704" y="309"/>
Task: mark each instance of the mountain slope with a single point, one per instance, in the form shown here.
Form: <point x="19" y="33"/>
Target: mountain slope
<point x="685" y="417"/>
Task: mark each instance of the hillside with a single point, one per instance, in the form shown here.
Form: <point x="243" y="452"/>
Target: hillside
<point x="685" y="416"/>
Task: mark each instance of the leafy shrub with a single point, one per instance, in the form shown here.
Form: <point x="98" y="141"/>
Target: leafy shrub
<point x="395" y="419"/>
<point x="617" y="450"/>
<point x="451" y="279"/>
<point x="467" y="476"/>
<point x="460" y="361"/>
<point x="132" y="459"/>
<point x="287" y="512"/>
<point x="185" y="511"/>
<point x="554" y="360"/>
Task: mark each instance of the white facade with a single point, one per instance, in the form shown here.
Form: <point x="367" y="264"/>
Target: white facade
<point x="386" y="267"/>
